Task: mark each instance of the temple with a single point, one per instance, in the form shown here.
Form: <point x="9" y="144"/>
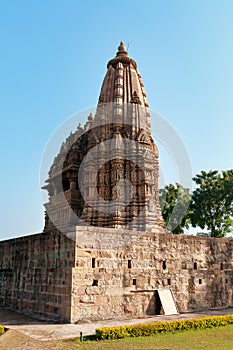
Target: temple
<point x="104" y="251"/>
<point x="106" y="175"/>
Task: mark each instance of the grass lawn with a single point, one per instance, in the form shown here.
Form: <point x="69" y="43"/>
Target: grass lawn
<point x="210" y="339"/>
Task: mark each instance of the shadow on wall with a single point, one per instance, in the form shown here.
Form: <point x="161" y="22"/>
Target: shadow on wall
<point x="155" y="306"/>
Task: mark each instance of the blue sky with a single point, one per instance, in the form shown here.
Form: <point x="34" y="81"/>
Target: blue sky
<point x="52" y="62"/>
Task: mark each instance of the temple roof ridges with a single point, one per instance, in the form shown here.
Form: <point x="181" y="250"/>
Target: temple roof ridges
<point x="122" y="86"/>
<point x="122" y="81"/>
<point x="69" y="141"/>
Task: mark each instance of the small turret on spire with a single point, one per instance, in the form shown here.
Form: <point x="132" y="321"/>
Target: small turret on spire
<point x="122" y="49"/>
<point x="80" y="126"/>
<point x="91" y="117"/>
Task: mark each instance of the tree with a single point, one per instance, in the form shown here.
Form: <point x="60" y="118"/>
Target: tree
<point x="212" y="202"/>
<point x="228" y="189"/>
<point x="174" y="202"/>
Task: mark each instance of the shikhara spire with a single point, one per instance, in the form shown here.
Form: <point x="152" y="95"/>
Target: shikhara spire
<point x="123" y="83"/>
<point x="108" y="171"/>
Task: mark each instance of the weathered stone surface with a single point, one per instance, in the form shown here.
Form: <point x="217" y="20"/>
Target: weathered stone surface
<point x="35" y="274"/>
<point x="61" y="291"/>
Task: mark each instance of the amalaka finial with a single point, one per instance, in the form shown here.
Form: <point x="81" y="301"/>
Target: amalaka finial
<point x="121" y="56"/>
<point x="80" y="126"/>
<point x="122" y="49"/>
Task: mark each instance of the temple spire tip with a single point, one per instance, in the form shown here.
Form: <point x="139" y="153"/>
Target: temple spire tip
<point x="122" y="49"/>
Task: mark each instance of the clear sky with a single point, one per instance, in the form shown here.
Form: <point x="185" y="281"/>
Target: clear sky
<point x="53" y="57"/>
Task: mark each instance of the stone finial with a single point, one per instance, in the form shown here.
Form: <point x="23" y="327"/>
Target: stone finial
<point x="90" y="117"/>
<point x="79" y="126"/>
<point x="121" y="56"/>
<point x="122" y="49"/>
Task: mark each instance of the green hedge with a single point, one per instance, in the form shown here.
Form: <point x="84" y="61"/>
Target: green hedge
<point x="162" y="327"/>
<point x="2" y="329"/>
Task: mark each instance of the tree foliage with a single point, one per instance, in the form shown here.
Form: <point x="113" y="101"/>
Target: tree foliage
<point x="174" y="202"/>
<point x="212" y="202"/>
<point x="210" y="206"/>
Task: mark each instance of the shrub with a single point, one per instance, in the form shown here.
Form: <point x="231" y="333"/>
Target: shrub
<point x="2" y="329"/>
<point x="162" y="327"/>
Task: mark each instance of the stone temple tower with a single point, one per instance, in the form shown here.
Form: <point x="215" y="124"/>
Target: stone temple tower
<point x="106" y="174"/>
<point x="105" y="253"/>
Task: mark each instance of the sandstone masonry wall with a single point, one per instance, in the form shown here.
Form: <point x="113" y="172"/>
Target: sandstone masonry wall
<point x="36" y="274"/>
<point x="102" y="273"/>
<point x="118" y="272"/>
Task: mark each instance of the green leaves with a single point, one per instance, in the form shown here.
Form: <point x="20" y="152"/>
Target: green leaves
<point x="162" y="327"/>
<point x="174" y="202"/>
<point x="210" y="206"/>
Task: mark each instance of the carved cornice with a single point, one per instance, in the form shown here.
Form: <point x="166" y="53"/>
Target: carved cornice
<point x="125" y="60"/>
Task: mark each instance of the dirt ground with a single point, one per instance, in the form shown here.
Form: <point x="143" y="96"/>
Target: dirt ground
<point x="14" y="340"/>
